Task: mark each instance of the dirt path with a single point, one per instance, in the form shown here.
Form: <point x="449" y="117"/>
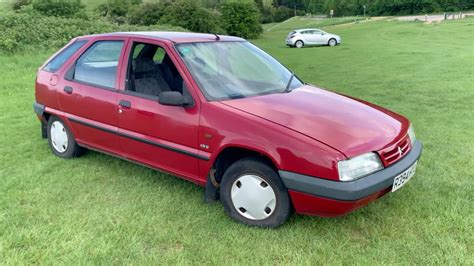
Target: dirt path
<point x="433" y="18"/>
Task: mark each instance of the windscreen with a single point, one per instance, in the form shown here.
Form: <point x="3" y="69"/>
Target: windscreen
<point x="231" y="70"/>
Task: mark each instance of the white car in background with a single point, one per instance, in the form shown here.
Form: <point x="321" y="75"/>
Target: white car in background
<point x="306" y="37"/>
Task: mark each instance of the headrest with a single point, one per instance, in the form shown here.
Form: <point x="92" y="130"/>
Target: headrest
<point x="143" y="65"/>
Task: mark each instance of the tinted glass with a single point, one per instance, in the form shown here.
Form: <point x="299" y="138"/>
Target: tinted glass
<point x="230" y="70"/>
<point x="98" y="65"/>
<point x="63" y="56"/>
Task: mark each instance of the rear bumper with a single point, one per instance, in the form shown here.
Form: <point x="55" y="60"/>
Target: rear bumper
<point x="290" y="42"/>
<point x="39" y="111"/>
<point x="317" y="196"/>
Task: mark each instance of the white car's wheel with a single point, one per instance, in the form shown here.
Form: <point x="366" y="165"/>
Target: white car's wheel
<point x="332" y="42"/>
<point x="61" y="140"/>
<point x="299" y="44"/>
<point x="253" y="193"/>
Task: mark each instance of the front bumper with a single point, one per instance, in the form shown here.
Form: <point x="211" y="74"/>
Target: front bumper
<point x="312" y="195"/>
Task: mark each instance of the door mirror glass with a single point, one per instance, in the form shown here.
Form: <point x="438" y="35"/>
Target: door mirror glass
<point x="173" y="98"/>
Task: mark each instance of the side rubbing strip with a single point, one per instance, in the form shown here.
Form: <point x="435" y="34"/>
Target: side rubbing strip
<point x="163" y="146"/>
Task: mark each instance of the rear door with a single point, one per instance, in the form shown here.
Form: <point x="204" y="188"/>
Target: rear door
<point x="88" y="94"/>
<point x="307" y="37"/>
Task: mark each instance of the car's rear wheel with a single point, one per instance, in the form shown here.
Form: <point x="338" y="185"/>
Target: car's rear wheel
<point x="253" y="193"/>
<point x="61" y="140"/>
<point x="332" y="42"/>
<point x="299" y="44"/>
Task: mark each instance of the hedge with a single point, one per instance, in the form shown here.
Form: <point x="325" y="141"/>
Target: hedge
<point x="29" y="29"/>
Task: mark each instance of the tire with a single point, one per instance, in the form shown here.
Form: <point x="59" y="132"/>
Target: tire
<point x="332" y="42"/>
<point x="299" y="44"/>
<point x="253" y="176"/>
<point x="60" y="139"/>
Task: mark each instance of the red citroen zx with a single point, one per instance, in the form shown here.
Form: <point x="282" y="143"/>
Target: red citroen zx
<point x="220" y="112"/>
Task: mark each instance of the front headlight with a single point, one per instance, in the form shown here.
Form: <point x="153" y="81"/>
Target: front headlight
<point x="359" y="166"/>
<point x="411" y="134"/>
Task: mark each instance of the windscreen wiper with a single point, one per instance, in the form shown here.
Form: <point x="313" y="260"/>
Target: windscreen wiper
<point x="287" y="88"/>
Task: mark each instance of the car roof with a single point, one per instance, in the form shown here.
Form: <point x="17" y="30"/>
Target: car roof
<point x="299" y="30"/>
<point x="175" y="37"/>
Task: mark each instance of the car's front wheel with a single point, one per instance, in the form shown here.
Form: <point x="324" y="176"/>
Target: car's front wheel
<point x="61" y="140"/>
<point x="299" y="44"/>
<point x="332" y="42"/>
<point x="253" y="193"/>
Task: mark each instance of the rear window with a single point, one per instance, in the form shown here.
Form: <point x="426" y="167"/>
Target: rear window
<point x="54" y="64"/>
<point x="98" y="65"/>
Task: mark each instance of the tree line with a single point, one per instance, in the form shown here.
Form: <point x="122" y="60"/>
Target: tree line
<point x="376" y="7"/>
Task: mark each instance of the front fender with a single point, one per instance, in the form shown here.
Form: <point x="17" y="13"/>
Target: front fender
<point x="287" y="149"/>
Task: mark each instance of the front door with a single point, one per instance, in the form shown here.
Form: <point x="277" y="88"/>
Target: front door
<point x="88" y="95"/>
<point x="164" y="137"/>
<point x="318" y="37"/>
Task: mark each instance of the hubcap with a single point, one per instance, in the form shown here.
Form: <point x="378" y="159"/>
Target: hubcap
<point x="253" y="197"/>
<point x="332" y="42"/>
<point x="299" y="44"/>
<point x="59" y="136"/>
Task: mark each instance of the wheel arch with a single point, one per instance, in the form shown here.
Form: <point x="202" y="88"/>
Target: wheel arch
<point x="232" y="153"/>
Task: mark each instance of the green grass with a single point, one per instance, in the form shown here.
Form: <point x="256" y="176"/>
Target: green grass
<point x="99" y="209"/>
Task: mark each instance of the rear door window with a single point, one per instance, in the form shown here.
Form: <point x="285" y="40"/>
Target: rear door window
<point x="57" y="62"/>
<point x="98" y="65"/>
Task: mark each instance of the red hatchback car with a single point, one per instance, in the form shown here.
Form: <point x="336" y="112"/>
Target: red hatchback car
<point x="220" y="112"/>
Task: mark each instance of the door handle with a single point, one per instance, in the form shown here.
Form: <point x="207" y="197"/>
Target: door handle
<point x="125" y="104"/>
<point x="68" y="90"/>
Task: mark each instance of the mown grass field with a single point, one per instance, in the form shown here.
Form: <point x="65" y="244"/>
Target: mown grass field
<point x="99" y="210"/>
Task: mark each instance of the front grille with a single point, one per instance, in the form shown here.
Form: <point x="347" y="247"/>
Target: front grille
<point x="395" y="152"/>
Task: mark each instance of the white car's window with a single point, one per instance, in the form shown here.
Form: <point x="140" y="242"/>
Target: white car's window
<point x="230" y="70"/>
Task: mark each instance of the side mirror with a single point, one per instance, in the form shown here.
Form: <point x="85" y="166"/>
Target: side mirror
<point x="173" y="98"/>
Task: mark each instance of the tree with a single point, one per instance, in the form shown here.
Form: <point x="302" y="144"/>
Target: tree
<point x="241" y="19"/>
<point x="192" y="16"/>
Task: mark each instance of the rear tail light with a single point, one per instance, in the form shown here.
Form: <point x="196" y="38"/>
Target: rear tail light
<point x="291" y="36"/>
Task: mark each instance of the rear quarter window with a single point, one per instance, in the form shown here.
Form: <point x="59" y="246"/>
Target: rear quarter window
<point x="57" y="62"/>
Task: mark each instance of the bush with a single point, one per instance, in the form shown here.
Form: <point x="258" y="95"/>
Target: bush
<point x="241" y="19"/>
<point x="19" y="3"/>
<point x="192" y="16"/>
<point x="117" y="10"/>
<point x="147" y="13"/>
<point x="58" y="8"/>
<point x="282" y="13"/>
<point x="30" y="29"/>
<point x="278" y="14"/>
